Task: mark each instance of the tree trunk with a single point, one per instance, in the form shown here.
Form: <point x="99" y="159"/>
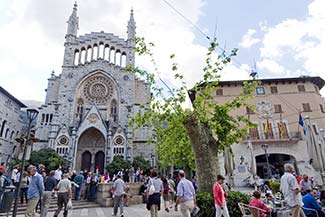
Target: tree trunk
<point x="205" y="151"/>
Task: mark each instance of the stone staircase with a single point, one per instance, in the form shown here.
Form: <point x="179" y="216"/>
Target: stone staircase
<point x="82" y="204"/>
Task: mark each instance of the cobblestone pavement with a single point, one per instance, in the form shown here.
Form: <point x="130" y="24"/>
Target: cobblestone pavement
<point x="132" y="211"/>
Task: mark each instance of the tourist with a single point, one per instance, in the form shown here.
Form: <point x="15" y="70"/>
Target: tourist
<point x="172" y="186"/>
<point x="154" y="191"/>
<point x="49" y="185"/>
<point x="126" y="196"/>
<point x="119" y="189"/>
<point x="64" y="194"/>
<point x="306" y="185"/>
<point x="88" y="185"/>
<point x="290" y="189"/>
<point x="58" y="174"/>
<point x="24" y="187"/>
<point x="131" y="174"/>
<point x="194" y="183"/>
<point x="310" y="202"/>
<point x="79" y="179"/>
<point x="2" y="185"/>
<point x="41" y="168"/>
<point x="93" y="188"/>
<point x="269" y="200"/>
<point x="219" y="196"/>
<point x="185" y="195"/>
<point x="107" y="178"/>
<point x="322" y="197"/>
<point x="14" y="175"/>
<point x="165" y="193"/>
<point x="258" y="203"/>
<point x="3" y="167"/>
<point x="35" y="190"/>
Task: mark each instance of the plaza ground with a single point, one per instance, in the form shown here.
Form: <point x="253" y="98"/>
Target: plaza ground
<point x="132" y="211"/>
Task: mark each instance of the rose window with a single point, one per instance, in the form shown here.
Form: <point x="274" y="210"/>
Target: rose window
<point x="98" y="90"/>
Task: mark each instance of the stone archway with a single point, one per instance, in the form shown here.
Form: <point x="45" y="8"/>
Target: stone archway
<point x="276" y="163"/>
<point x="91" y="150"/>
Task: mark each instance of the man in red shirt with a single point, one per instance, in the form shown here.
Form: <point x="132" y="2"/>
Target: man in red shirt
<point x="219" y="195"/>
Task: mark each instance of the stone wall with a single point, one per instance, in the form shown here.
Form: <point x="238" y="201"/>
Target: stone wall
<point x="104" y="197"/>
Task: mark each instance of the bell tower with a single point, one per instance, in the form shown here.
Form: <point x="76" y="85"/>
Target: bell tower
<point x="70" y="37"/>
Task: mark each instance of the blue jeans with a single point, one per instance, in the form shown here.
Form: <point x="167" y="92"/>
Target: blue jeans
<point x="77" y="193"/>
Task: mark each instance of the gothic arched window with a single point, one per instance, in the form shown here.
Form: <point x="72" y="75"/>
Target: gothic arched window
<point x="114" y="110"/>
<point x="2" y="127"/>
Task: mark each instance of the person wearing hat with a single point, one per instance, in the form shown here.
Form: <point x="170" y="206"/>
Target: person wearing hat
<point x="219" y="196"/>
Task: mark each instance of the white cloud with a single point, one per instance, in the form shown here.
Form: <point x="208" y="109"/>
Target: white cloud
<point x="248" y="39"/>
<point x="232" y="72"/>
<point x="295" y="47"/>
<point x="270" y="65"/>
<point x="32" y="37"/>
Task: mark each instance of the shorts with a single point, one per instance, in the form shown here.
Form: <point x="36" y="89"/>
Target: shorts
<point x="166" y="197"/>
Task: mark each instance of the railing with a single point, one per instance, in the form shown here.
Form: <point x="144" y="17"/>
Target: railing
<point x="275" y="137"/>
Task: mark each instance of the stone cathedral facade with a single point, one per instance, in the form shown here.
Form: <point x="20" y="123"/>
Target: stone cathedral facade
<point x="87" y="109"/>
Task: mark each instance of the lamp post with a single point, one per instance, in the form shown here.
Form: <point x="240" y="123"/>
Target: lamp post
<point x="152" y="160"/>
<point x="31" y="115"/>
<point x="265" y="147"/>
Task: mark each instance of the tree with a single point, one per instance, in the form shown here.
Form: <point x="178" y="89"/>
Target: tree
<point x="142" y="163"/>
<point x="117" y="164"/>
<point x="208" y="126"/>
<point x="48" y="157"/>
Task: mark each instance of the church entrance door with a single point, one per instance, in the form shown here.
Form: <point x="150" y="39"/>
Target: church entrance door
<point x="99" y="161"/>
<point x="86" y="161"/>
<point x="91" y="151"/>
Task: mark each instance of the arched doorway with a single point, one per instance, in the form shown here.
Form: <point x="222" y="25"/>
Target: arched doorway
<point x="99" y="161"/>
<point x="91" y="151"/>
<point x="86" y="161"/>
<point x="275" y="167"/>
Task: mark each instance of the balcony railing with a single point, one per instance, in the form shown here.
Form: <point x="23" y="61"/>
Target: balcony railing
<point x="274" y="137"/>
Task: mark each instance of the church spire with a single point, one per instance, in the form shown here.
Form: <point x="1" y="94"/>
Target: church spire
<point x="131" y="27"/>
<point x="73" y="22"/>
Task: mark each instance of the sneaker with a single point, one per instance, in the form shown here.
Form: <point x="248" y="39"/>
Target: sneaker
<point x="113" y="214"/>
<point x="122" y="215"/>
<point x="167" y="210"/>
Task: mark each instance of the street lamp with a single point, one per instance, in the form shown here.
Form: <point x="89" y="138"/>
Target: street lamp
<point x="153" y="160"/>
<point x="265" y="147"/>
<point x="31" y="115"/>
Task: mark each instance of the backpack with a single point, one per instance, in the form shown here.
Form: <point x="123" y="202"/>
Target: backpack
<point x="166" y="188"/>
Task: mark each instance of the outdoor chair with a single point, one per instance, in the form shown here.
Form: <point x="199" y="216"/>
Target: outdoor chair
<point x="249" y="211"/>
<point x="313" y="210"/>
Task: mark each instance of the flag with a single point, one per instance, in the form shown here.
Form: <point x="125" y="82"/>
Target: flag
<point x="267" y="126"/>
<point x="302" y="124"/>
<point x="282" y="130"/>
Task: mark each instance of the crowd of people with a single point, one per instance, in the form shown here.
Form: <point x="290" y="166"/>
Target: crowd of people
<point x="38" y="186"/>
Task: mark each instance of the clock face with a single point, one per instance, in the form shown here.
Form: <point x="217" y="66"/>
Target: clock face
<point x="260" y="91"/>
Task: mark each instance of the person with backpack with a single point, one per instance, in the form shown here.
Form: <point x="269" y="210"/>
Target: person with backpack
<point x="165" y="193"/>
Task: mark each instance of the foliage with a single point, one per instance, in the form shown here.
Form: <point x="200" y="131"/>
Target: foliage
<point x="205" y="201"/>
<point x="275" y="186"/>
<point x="141" y="162"/>
<point x="48" y="157"/>
<point x="168" y="116"/>
<point x="233" y="198"/>
<point x="117" y="164"/>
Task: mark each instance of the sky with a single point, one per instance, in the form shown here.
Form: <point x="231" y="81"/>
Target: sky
<point x="282" y="38"/>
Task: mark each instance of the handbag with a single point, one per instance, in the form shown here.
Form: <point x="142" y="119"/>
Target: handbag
<point x="69" y="205"/>
<point x="152" y="189"/>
